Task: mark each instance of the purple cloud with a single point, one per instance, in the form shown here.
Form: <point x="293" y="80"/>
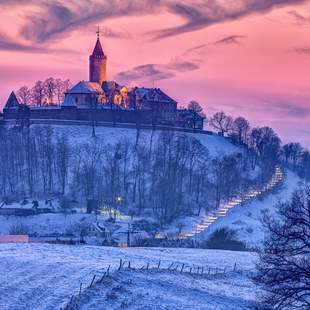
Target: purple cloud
<point x="199" y="15"/>
<point x="153" y="72"/>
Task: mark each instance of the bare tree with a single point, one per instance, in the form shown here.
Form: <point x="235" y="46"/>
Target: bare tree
<point x="221" y="122"/>
<point x="61" y="87"/>
<point x="50" y="90"/>
<point x="24" y="95"/>
<point x="37" y="93"/>
<point x="197" y="111"/>
<point x="284" y="265"/>
<point x="241" y="127"/>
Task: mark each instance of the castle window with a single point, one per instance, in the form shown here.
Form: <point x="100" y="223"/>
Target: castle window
<point x="76" y="99"/>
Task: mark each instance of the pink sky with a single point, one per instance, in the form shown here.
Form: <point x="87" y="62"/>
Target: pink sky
<point x="246" y="57"/>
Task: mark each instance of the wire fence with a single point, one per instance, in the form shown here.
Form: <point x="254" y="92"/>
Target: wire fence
<point x="126" y="265"/>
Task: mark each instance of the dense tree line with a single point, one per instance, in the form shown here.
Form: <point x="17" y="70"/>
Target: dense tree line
<point x="43" y="93"/>
<point x="167" y="176"/>
<point x="297" y="158"/>
<point x="263" y="144"/>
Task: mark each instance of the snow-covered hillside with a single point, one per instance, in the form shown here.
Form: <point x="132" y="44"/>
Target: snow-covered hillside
<point x="42" y="276"/>
<point x="246" y="219"/>
<point x="81" y="134"/>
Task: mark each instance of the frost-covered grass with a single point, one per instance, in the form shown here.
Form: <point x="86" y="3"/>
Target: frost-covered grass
<point x="43" y="276"/>
<point x="168" y="290"/>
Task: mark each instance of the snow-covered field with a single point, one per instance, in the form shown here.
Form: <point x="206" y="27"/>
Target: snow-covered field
<point x="167" y="290"/>
<point x="217" y="146"/>
<point x="43" y="276"/>
<point x="246" y="219"/>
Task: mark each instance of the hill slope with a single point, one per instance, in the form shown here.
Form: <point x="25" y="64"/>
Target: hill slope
<point x="246" y="219"/>
<point x="43" y="276"/>
<point x="82" y="134"/>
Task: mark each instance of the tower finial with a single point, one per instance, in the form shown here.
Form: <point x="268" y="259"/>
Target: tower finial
<point x="98" y="32"/>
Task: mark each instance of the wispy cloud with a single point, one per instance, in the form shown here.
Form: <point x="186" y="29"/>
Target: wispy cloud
<point x="55" y="19"/>
<point x="201" y="14"/>
<point x="155" y="72"/>
<point x="302" y="50"/>
<point x="300" y="19"/>
<point x="289" y="108"/>
<point x="233" y="39"/>
<point x="8" y="44"/>
<point x="52" y="20"/>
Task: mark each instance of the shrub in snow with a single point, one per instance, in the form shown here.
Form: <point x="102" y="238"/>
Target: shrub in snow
<point x="225" y="239"/>
<point x="284" y="265"/>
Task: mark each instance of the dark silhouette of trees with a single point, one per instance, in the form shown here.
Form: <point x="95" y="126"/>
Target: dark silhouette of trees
<point x="43" y="93"/>
<point x="241" y="128"/>
<point x="197" y="111"/>
<point x="283" y="270"/>
<point x="38" y="94"/>
<point x="24" y="95"/>
<point x="295" y="157"/>
<point x="221" y="122"/>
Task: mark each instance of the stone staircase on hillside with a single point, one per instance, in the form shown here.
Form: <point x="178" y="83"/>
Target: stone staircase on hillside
<point x="211" y="217"/>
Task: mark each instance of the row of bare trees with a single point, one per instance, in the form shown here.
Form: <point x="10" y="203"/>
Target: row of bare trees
<point x="262" y="144"/>
<point x="297" y="158"/>
<point x="43" y="93"/>
<point x="171" y="176"/>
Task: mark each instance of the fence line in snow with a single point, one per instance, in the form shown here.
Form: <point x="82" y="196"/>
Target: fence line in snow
<point x="182" y="268"/>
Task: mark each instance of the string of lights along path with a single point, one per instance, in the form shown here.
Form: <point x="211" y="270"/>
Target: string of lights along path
<point x="211" y="217"/>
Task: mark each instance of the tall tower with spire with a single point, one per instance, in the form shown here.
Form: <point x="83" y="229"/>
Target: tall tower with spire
<point x="98" y="63"/>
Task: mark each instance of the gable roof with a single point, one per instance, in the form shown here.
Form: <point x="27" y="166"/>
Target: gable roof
<point x="12" y="101"/>
<point x="154" y="94"/>
<point x="85" y="87"/>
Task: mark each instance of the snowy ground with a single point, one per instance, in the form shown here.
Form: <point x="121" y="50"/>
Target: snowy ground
<point x="167" y="290"/>
<point x="246" y="219"/>
<point x="46" y="224"/>
<point x="43" y="276"/>
<point x="217" y="146"/>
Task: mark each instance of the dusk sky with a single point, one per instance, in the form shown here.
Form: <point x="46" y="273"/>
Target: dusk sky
<point x="245" y="57"/>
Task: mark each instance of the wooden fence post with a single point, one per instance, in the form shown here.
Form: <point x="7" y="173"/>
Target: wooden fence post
<point x="158" y="265"/>
<point x="120" y="264"/>
<point x="101" y="280"/>
<point x="147" y="266"/>
<point x="182" y="268"/>
<point x="92" y="282"/>
<point x="80" y="291"/>
<point x="235" y="267"/>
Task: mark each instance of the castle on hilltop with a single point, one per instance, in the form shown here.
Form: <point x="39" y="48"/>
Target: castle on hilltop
<point x="106" y="101"/>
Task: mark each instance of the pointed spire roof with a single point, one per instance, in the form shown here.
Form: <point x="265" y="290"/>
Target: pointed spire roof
<point x="12" y="101"/>
<point x="98" y="51"/>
